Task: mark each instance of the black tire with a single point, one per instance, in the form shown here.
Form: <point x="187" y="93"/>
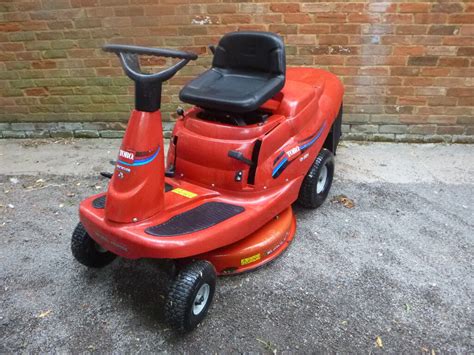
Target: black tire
<point x="181" y="311"/>
<point x="309" y="195"/>
<point x="87" y="251"/>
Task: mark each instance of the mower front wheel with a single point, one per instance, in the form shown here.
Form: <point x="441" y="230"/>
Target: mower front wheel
<point x="317" y="182"/>
<point x="87" y="251"/>
<point x="190" y="295"/>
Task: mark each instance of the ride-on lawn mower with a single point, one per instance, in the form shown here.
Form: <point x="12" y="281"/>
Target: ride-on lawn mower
<point x="259" y="137"/>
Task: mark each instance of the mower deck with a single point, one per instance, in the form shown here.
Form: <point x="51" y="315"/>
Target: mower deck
<point x="256" y="250"/>
<point x="192" y="224"/>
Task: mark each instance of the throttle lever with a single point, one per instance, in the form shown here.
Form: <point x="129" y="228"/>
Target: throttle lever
<point x="240" y="157"/>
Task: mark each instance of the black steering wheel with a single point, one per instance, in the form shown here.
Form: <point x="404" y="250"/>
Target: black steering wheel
<point x="129" y="58"/>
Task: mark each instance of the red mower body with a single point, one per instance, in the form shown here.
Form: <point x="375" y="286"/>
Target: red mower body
<point x="144" y="215"/>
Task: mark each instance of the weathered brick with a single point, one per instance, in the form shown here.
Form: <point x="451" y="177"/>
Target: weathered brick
<point x="297" y="18"/>
<point x="461" y="18"/>
<point x="430" y="18"/>
<point x="442" y="101"/>
<point x="447" y="7"/>
<point x="464" y="139"/>
<point x="301" y="39"/>
<point x="21" y="36"/>
<point x="411" y="30"/>
<point x="253" y="8"/>
<point x="236" y="19"/>
<point x="409" y="138"/>
<point x="61" y="133"/>
<point x="4" y="126"/>
<point x="393" y="129"/>
<point x="468" y="92"/>
<point x="423" y="61"/>
<point x="414" y="7"/>
<point x="364" y="128"/>
<point x="382" y="137"/>
<point x="37" y="134"/>
<point x="465" y="120"/>
<point x="84" y="133"/>
<point x="443" y="30"/>
<point x="22" y="126"/>
<point x="422" y="129"/>
<point x="466" y="51"/>
<point x="430" y="91"/>
<point x="436" y="139"/>
<point x="356" y="136"/>
<point x="111" y="134"/>
<point x="317" y="7"/>
<point x="399" y="109"/>
<point x="13" y="134"/>
<point x="450" y="130"/>
<point x="221" y="8"/>
<point x="356" y="118"/>
<point x="53" y="54"/>
<point x="466" y="101"/>
<point x="384" y="119"/>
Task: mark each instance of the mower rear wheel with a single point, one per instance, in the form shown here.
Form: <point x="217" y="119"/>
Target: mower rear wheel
<point x="190" y="295"/>
<point x="87" y="251"/>
<point x="317" y="182"/>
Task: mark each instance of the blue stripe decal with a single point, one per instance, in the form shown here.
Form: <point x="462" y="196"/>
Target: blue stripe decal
<point x="312" y="141"/>
<point x="142" y="161"/>
<point x="302" y="148"/>
<point x="279" y="166"/>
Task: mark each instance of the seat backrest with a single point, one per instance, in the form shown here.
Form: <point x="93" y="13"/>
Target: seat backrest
<point x="253" y="51"/>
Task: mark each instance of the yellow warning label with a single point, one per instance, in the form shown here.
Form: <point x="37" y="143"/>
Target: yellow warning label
<point x="250" y="259"/>
<point x="184" y="192"/>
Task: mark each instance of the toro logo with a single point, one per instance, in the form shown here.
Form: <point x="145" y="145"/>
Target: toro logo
<point x="127" y="157"/>
<point x="292" y="151"/>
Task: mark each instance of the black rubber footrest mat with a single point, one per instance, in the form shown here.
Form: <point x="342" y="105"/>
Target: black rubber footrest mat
<point x="204" y="216"/>
<point x="99" y="202"/>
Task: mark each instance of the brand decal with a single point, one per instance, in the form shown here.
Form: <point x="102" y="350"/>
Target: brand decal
<point x="292" y="151"/>
<point x="120" y="167"/>
<point x="276" y="247"/>
<point x="127" y="156"/>
<point x="130" y="158"/>
<point x="304" y="157"/>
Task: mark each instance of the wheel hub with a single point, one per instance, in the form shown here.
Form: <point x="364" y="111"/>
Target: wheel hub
<point x="322" y="178"/>
<point x="201" y="299"/>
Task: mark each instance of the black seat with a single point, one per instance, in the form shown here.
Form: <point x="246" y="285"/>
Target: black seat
<point x="248" y="69"/>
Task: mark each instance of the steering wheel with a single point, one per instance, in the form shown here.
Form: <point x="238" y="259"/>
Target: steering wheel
<point x="129" y="59"/>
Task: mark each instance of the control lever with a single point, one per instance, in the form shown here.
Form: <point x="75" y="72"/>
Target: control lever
<point x="239" y="156"/>
<point x="106" y="174"/>
<point x="170" y="171"/>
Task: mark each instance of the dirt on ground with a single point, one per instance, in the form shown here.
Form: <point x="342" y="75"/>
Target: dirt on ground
<point x="384" y="265"/>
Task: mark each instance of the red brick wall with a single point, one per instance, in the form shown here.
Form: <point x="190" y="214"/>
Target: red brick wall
<point x="407" y="66"/>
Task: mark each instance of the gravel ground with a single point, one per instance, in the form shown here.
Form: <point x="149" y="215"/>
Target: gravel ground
<point x="396" y="269"/>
